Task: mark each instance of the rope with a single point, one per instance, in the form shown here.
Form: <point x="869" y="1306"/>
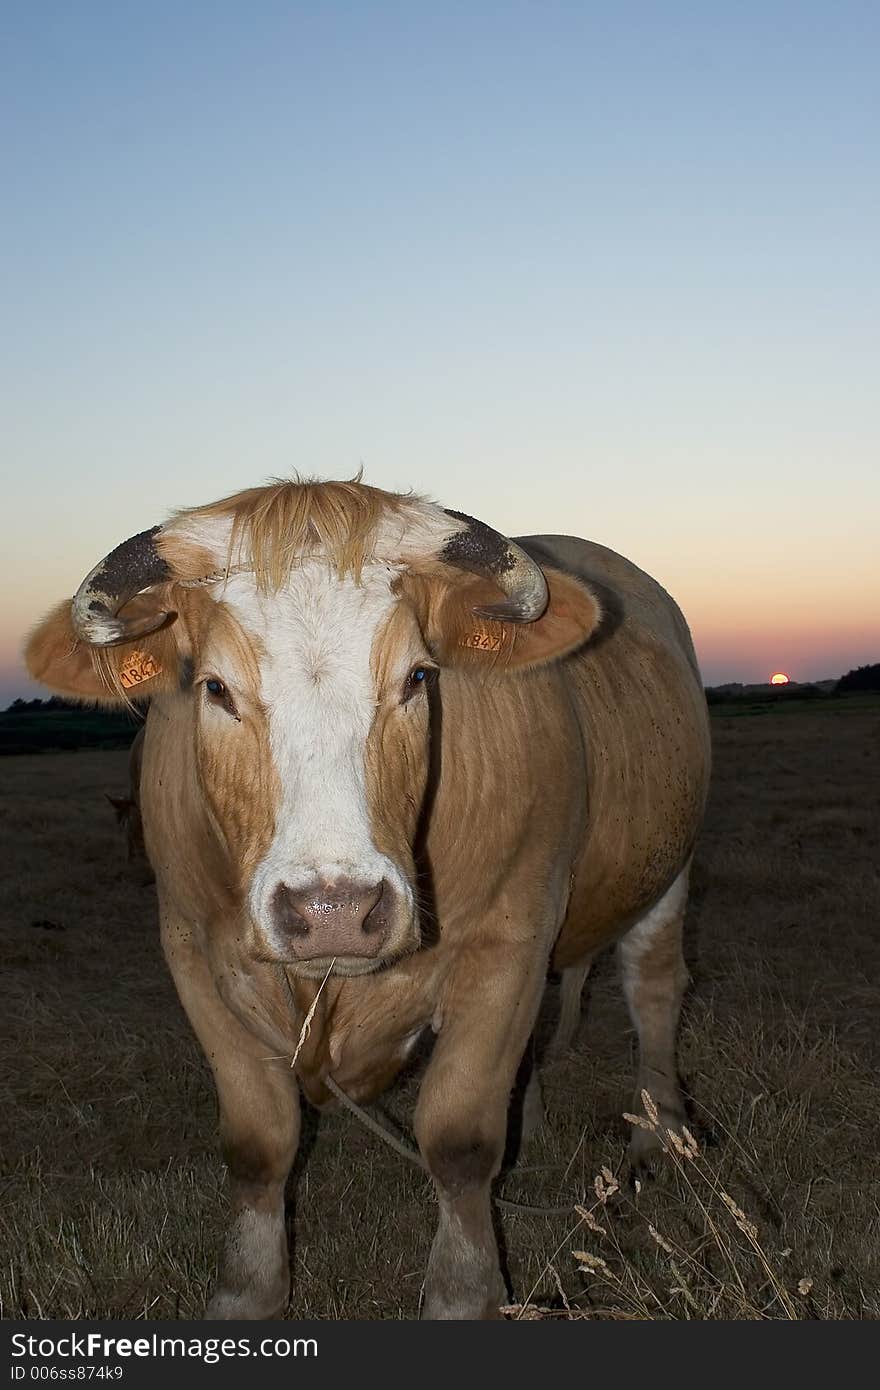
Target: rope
<point x="382" y="1132"/>
<point x="217" y="577"/>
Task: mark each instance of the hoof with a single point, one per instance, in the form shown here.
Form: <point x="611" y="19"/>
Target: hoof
<point x="227" y="1306"/>
<point x="455" y="1306"/>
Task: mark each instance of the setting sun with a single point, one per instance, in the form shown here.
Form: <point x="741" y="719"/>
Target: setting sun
<point x="779" y="679"/>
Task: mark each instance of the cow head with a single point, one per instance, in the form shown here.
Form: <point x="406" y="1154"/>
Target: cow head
<point x="304" y="627"/>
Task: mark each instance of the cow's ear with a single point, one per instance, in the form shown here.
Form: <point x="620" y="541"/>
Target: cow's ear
<point x="105" y="675"/>
<point x="460" y="637"/>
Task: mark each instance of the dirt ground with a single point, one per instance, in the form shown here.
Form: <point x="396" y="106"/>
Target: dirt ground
<point x="111" y="1185"/>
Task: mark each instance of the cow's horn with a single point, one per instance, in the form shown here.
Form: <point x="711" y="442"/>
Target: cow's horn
<point x="128" y="570"/>
<point x="483" y="551"/>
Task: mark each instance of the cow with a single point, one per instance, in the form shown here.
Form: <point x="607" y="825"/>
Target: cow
<point x="128" y="815"/>
<point x="396" y="768"/>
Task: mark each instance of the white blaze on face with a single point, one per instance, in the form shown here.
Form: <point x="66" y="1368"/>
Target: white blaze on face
<point x="316" y="636"/>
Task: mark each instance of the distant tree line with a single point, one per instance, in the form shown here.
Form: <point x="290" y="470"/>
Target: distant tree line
<point x="56" y="702"/>
<point x="772" y="693"/>
<point x="39" y="706"/>
<point x="862" y="678"/>
<point x="38" y="726"/>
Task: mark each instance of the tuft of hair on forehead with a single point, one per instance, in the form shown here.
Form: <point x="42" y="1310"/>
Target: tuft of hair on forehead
<point x="277" y="525"/>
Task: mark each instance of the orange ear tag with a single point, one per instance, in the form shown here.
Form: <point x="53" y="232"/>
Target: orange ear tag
<point x="137" y="668"/>
<point x="481" y="641"/>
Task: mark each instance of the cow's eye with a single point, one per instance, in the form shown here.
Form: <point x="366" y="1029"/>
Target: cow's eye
<point x="418" y="678"/>
<point x="217" y="694"/>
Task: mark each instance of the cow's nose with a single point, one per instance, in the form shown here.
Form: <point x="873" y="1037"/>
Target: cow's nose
<point x="332" y="919"/>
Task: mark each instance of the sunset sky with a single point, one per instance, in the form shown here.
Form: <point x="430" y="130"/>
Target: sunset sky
<point x="603" y="269"/>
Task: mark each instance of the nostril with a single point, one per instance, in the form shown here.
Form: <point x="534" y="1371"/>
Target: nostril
<point x="284" y="910"/>
<point x="375" y="916"/>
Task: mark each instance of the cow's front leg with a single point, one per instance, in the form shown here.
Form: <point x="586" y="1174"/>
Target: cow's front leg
<point x="461" y="1120"/>
<point x="259" y="1131"/>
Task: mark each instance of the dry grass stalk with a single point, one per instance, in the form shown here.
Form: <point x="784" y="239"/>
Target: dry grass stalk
<point x="591" y="1264"/>
<point x="745" y="1225"/>
<point x="712" y="1271"/>
<point x="639" y="1121"/>
<point x="651" y="1110"/>
<point x="605" y="1185"/>
<point x="560" y="1290"/>
<point x="659" y="1239"/>
<point x="307" y="1021"/>
<point x="691" y="1146"/>
<point x="590" y="1221"/>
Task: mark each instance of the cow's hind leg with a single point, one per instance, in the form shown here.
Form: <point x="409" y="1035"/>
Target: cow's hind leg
<point x="532" y="1105"/>
<point x="654" y="980"/>
<point x="571" y="988"/>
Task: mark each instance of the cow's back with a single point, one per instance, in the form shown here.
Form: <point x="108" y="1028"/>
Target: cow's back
<point x="642" y="710"/>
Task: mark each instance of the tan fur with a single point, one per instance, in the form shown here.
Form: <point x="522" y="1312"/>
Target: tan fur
<point x="276" y="526"/>
<point x="234" y="761"/>
<point x="542" y="800"/>
<point x="190" y="561"/>
<point x="445" y="600"/>
<point x="397" y="746"/>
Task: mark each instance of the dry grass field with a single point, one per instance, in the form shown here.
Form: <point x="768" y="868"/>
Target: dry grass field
<point x="111" y="1190"/>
